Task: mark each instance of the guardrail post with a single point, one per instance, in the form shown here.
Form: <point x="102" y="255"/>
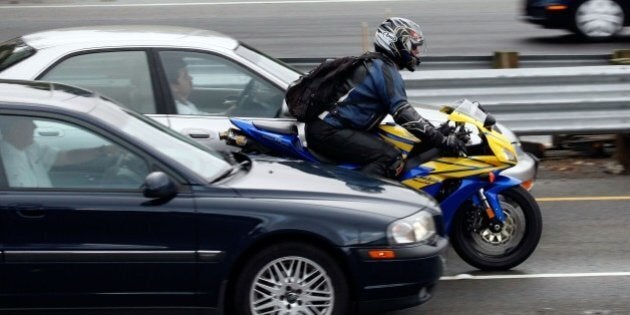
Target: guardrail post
<point x="622" y="152"/>
<point x="505" y="59"/>
<point x="622" y="143"/>
<point x="620" y="57"/>
<point x="366" y="36"/>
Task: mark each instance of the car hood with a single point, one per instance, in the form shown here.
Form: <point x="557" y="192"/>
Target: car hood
<point x="304" y="182"/>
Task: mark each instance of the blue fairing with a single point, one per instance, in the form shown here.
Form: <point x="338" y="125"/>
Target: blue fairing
<point x="418" y="171"/>
<point x="287" y="144"/>
<point x="468" y="191"/>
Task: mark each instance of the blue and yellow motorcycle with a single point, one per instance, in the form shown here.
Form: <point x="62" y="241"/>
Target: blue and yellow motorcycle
<point x="493" y="222"/>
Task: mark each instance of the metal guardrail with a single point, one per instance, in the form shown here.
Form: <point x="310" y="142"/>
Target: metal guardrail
<point x="482" y="62"/>
<point x="575" y="98"/>
<point x="554" y="100"/>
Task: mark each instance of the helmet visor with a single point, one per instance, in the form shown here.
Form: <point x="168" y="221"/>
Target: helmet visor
<point x="419" y="49"/>
<point x="415" y="43"/>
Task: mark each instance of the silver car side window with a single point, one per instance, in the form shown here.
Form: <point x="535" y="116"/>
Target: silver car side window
<point x="123" y="76"/>
<point x="207" y="84"/>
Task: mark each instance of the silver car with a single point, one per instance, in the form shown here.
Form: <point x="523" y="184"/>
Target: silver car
<point x="130" y="64"/>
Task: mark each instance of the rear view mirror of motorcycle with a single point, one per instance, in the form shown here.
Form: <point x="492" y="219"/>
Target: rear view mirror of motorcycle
<point x="489" y="122"/>
<point x="447" y="109"/>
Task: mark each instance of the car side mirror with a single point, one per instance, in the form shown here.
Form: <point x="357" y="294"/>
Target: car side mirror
<point x="158" y="185"/>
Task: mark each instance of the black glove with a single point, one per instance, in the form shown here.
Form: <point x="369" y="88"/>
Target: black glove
<point x="407" y="117"/>
<point x="453" y="144"/>
<point x="446" y="129"/>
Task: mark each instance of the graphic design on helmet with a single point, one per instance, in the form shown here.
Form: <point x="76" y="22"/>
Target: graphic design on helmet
<point x="402" y="40"/>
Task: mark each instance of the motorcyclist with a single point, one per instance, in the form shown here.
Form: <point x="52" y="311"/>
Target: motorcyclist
<point x="376" y="89"/>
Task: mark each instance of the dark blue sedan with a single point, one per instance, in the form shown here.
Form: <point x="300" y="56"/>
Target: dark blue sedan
<point x="103" y="208"/>
<point x="591" y="19"/>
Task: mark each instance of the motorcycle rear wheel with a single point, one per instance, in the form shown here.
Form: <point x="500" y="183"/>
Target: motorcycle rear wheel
<point x="507" y="248"/>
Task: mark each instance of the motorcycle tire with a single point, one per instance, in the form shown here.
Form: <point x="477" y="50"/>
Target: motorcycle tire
<point x="507" y="248"/>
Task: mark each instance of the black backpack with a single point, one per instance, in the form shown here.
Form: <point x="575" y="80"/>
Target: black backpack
<point x="320" y="89"/>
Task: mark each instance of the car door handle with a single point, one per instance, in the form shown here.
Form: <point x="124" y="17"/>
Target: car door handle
<point x="49" y="133"/>
<point x="28" y="211"/>
<point x="196" y="133"/>
<point x="199" y="135"/>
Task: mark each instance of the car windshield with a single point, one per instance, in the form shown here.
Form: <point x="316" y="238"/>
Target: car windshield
<point x="271" y="65"/>
<point x="14" y="51"/>
<point x="200" y="159"/>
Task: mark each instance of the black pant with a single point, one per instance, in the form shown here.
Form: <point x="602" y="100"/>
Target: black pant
<point x="353" y="146"/>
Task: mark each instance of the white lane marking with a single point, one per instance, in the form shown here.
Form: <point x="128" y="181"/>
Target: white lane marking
<point x="465" y="276"/>
<point x="188" y="4"/>
<point x="583" y="198"/>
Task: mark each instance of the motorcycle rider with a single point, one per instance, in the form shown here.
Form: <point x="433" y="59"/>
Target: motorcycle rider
<point x="376" y="89"/>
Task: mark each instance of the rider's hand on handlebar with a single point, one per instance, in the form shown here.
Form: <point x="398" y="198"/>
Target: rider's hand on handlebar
<point x="446" y="129"/>
<point x="453" y="144"/>
<point x="463" y="135"/>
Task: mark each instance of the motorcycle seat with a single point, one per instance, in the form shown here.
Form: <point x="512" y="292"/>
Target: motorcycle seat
<point x="281" y="127"/>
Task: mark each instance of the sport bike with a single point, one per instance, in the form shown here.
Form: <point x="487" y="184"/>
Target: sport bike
<point x="493" y="223"/>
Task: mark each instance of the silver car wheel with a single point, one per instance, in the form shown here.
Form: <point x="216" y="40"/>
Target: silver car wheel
<point x="292" y="285"/>
<point x="599" y="18"/>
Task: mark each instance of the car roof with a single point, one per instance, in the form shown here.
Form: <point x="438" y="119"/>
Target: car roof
<point x="128" y="35"/>
<point x="47" y="95"/>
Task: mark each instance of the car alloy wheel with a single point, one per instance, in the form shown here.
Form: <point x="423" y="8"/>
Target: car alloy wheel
<point x="599" y="19"/>
<point x="292" y="285"/>
<point x="291" y="278"/>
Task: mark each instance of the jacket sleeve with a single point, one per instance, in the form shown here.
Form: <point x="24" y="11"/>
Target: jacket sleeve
<point x="410" y="119"/>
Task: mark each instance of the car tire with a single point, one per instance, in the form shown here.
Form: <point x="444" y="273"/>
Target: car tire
<point x="291" y="278"/>
<point x="598" y="19"/>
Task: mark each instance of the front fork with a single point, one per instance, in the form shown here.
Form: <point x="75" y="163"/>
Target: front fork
<point x="492" y="215"/>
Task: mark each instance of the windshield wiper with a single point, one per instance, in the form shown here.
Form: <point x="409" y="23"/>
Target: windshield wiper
<point x="233" y="169"/>
<point x="240" y="161"/>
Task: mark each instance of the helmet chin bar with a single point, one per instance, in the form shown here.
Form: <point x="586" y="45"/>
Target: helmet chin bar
<point x="408" y="61"/>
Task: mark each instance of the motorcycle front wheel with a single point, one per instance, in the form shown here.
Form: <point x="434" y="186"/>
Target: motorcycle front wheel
<point x="507" y="248"/>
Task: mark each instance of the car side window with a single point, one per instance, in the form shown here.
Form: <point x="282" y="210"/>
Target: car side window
<point x="45" y="153"/>
<point x="123" y="76"/>
<point x="206" y="84"/>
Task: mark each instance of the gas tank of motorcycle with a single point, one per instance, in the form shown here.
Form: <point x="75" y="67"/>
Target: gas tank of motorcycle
<point x="398" y="137"/>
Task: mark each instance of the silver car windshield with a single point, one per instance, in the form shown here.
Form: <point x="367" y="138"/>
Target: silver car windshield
<point x="191" y="155"/>
<point x="271" y="65"/>
<point x="14" y="51"/>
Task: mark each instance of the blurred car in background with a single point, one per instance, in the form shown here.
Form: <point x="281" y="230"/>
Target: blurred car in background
<point x="164" y="222"/>
<point x="129" y="64"/>
<point x="591" y="19"/>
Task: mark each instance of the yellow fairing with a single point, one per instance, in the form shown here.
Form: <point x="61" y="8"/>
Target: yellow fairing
<point x="499" y="144"/>
<point x="455" y="167"/>
<point x="502" y="148"/>
<point x="398" y="136"/>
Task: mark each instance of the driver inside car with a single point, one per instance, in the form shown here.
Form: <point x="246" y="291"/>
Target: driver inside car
<point x="27" y="162"/>
<point x="181" y="84"/>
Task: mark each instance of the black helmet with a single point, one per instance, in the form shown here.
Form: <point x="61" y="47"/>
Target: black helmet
<point x="402" y="40"/>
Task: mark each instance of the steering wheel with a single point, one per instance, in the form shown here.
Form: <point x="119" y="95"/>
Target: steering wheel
<point x="244" y="100"/>
<point x="123" y="173"/>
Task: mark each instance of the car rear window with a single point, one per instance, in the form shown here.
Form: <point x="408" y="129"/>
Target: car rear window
<point x="14" y="51"/>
